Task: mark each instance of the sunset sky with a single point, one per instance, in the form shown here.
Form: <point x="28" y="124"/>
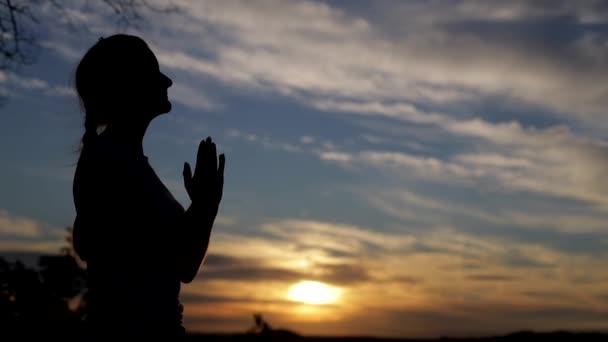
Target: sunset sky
<point x="436" y="167"/>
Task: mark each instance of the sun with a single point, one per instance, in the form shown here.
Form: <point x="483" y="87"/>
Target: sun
<point x="313" y="292"/>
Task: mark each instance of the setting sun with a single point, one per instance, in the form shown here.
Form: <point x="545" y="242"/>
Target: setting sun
<point x="313" y="292"/>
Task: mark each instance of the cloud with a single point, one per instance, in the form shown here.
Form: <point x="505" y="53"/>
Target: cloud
<point x="308" y="248"/>
<point x="249" y="273"/>
<point x="188" y="96"/>
<point x="464" y="320"/>
<point x="226" y="268"/>
<point x="405" y="205"/>
<point x="433" y="80"/>
<point x="264" y="141"/>
<point x="46" y="246"/>
<point x="551" y="162"/>
<point x="15" y="226"/>
<point x="342" y="237"/>
<point x="340" y="61"/>
<point x="336" y="60"/>
<point x="436" y="13"/>
<point x="25" y="235"/>
<point x="314" y="50"/>
<point x="439" y="275"/>
<point x="335" y="156"/>
<point x="306" y="139"/>
<point x="15" y="85"/>
<point x="490" y="277"/>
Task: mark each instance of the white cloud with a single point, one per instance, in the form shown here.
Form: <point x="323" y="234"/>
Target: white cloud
<point x="335" y="61"/>
<point x="434" y="13"/>
<point x="345" y="237"/>
<point x="551" y="161"/>
<point x="22" y="82"/>
<point x="16" y="85"/>
<point x="305" y="139"/>
<point x="188" y="96"/>
<point x="313" y="48"/>
<point x="16" y="226"/>
<point x="405" y="205"/>
<point x="433" y="267"/>
<point x="336" y="156"/>
<point x="569" y="169"/>
<point x="264" y="141"/>
<point x="61" y="91"/>
<point x="42" y="246"/>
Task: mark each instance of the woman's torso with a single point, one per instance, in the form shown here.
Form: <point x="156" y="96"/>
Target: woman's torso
<point x="124" y="230"/>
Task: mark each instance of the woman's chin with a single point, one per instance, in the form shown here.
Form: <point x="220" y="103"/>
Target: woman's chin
<point x="165" y="107"/>
<point x="169" y="106"/>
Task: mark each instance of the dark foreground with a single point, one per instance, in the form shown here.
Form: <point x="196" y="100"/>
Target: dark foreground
<point x="34" y="306"/>
<point x="287" y="336"/>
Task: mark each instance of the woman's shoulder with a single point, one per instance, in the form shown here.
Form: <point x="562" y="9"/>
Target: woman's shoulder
<point x="103" y="151"/>
<point x="101" y="161"/>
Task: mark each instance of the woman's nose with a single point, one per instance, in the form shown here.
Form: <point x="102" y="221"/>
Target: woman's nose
<point x="167" y="80"/>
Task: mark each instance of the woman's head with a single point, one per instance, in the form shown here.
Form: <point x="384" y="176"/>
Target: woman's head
<point x="119" y="81"/>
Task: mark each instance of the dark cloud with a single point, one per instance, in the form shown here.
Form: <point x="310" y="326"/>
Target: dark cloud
<point x="584" y="244"/>
<point x="421" y="247"/>
<point x="224" y="267"/>
<point x="219" y="323"/>
<point x="334" y="252"/>
<point x="407" y="280"/>
<point x="543" y="294"/>
<point x="250" y="272"/>
<point x="603" y="297"/>
<point x="345" y="274"/>
<point x="192" y="298"/>
<point x="490" y="277"/>
<point x="468" y="319"/>
<point x="515" y="259"/>
<point x="221" y="260"/>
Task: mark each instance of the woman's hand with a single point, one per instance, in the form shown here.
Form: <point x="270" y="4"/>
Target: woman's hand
<point x="206" y="187"/>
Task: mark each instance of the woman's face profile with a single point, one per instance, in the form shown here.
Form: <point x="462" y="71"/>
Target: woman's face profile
<point x="151" y="86"/>
<point x="119" y="82"/>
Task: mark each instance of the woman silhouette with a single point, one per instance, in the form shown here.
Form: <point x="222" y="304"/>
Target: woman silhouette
<point x="138" y="242"/>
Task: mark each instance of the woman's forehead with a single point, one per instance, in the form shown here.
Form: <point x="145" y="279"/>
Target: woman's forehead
<point x="144" y="59"/>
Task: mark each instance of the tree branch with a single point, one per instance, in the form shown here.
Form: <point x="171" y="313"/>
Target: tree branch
<point x="11" y="13"/>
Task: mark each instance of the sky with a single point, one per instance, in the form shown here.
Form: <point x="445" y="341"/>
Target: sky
<point x="434" y="167"/>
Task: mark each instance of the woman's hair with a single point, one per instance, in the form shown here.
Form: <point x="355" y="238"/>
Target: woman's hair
<point x="104" y="79"/>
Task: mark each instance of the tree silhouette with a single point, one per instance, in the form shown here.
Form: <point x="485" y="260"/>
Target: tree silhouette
<point x="260" y="325"/>
<point x="49" y="300"/>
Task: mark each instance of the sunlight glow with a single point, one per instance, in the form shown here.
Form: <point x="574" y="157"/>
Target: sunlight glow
<point x="313" y="292"/>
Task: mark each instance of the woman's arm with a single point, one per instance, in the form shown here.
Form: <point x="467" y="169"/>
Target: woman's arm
<point x="205" y="189"/>
<point x="196" y="226"/>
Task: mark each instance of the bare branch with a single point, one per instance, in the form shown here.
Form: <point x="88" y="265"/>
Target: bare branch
<point x="18" y="43"/>
<point x="64" y="13"/>
<point x="12" y="12"/>
<point x="170" y="8"/>
<point x="15" y="43"/>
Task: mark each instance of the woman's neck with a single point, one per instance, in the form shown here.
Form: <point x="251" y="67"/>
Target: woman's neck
<point x="130" y="135"/>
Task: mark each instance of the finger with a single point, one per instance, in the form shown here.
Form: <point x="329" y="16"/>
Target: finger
<point x="188" y="179"/>
<point x="222" y="165"/>
<point x="221" y="176"/>
<point x="187" y="172"/>
<point x="213" y="158"/>
<point x="200" y="157"/>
